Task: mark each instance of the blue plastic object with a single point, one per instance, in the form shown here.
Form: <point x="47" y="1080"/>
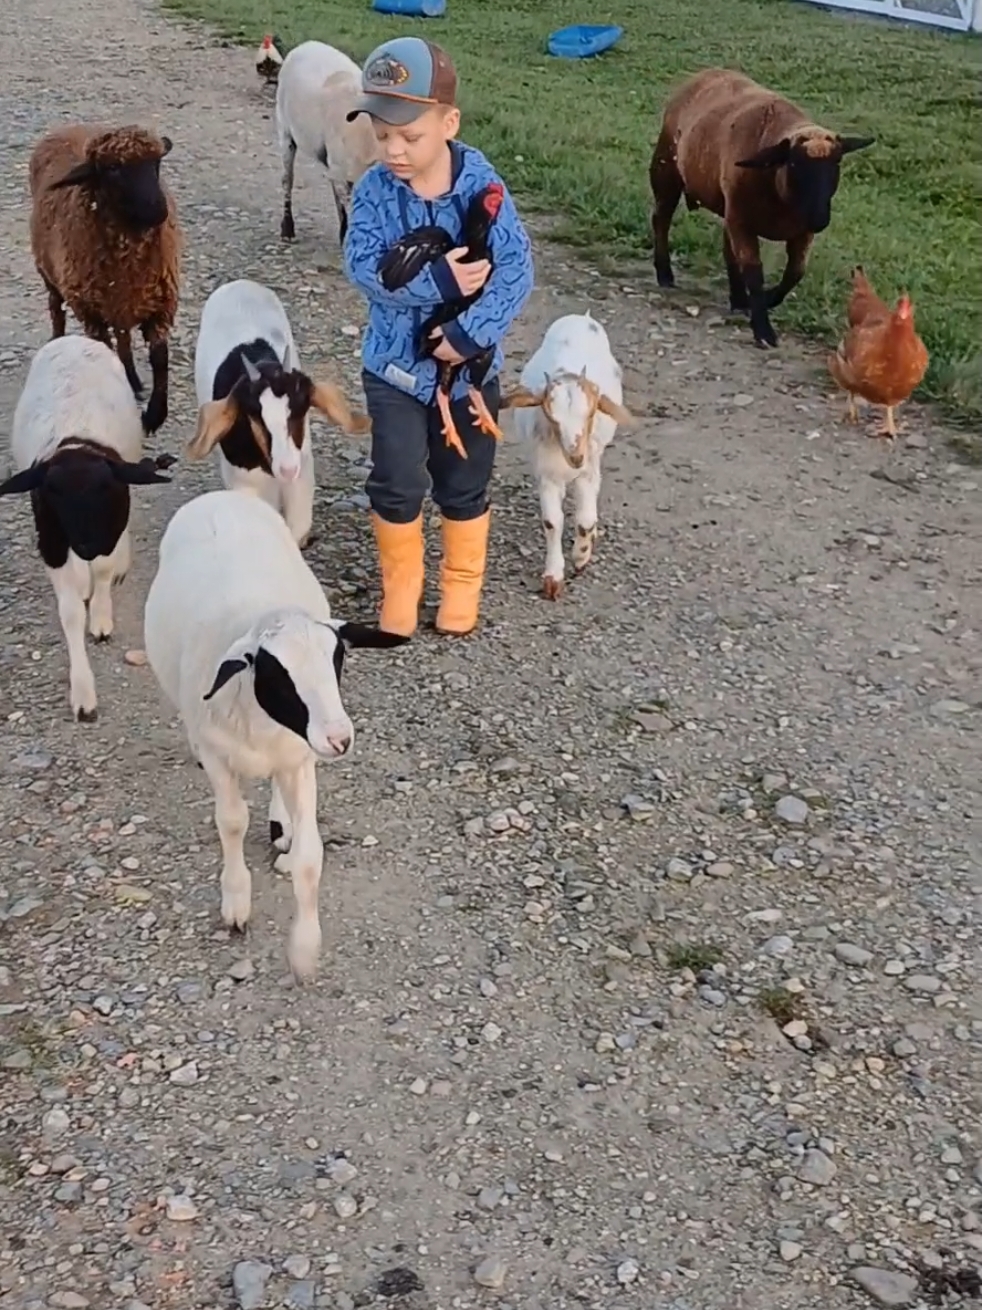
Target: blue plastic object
<point x="583" y="40"/>
<point x="411" y="8"/>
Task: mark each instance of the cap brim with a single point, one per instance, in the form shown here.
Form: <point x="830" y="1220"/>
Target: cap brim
<point x="393" y="110"/>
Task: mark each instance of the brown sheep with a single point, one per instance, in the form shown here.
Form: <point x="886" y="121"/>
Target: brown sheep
<point x="755" y="159"/>
<point x="106" y="241"/>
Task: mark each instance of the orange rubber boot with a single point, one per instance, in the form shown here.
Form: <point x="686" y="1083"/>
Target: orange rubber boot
<point x="400" y="552"/>
<point x="465" y="552"/>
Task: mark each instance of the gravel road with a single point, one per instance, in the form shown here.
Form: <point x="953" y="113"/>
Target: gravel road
<point x="651" y="973"/>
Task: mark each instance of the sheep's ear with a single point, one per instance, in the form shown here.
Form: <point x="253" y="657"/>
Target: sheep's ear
<point x="27" y="480"/>
<point x="168" y="145"/>
<point x="215" y="419"/>
<point x="329" y="400"/>
<point x="521" y="398"/>
<point x="136" y="475"/>
<point x="617" y="412"/>
<point x="75" y="176"/>
<point x="851" y="143"/>
<point x="227" y="669"/>
<point x="360" y="636"/>
<point x="769" y="157"/>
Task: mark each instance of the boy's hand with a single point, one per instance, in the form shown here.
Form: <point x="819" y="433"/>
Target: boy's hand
<point x="469" y="277"/>
<point x="445" y="351"/>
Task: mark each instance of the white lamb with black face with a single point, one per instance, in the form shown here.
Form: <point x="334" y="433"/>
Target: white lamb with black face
<point x="255" y="401"/>
<point x="240" y="637"/>
<point x="77" y="444"/>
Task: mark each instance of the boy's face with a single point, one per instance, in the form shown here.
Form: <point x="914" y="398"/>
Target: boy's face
<point x="411" y="151"/>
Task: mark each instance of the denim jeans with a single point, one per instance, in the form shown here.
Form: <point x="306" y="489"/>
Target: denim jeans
<point x="410" y="455"/>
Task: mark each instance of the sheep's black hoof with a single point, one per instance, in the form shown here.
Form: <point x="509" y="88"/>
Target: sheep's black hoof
<point x="275" y="830"/>
<point x="287" y="229"/>
<point x="739" y="306"/>
<point x="767" y="342"/>
<point x="163" y="462"/>
<point x="87" y="716"/>
<point x="665" y="277"/>
<point x="154" y="416"/>
<point x="102" y="637"/>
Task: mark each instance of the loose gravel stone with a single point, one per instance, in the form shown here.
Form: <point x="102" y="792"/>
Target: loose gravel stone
<point x="491" y="1272"/>
<point x="816" y="1168"/>
<point x="886" y="1286"/>
<point x="249" y="1279"/>
<point x="792" y="809"/>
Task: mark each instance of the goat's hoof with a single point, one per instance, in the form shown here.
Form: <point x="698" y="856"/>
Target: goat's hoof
<point x="275" y="831"/>
<point x="102" y="637"/>
<point x="552" y="588"/>
<point x="665" y="277"/>
<point x="308" y="540"/>
<point x="304" y="950"/>
<point x="236" y="909"/>
<point x="287" y="230"/>
<point x="580" y="566"/>
<point x="83" y="715"/>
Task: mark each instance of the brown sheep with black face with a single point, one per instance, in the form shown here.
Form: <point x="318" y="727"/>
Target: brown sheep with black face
<point x="755" y="159"/>
<point x="106" y="241"/>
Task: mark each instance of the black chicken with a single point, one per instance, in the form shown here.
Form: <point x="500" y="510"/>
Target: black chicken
<point x="401" y="264"/>
<point x="269" y="58"/>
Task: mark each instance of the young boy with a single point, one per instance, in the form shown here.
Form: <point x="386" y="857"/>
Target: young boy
<point x="426" y="177"/>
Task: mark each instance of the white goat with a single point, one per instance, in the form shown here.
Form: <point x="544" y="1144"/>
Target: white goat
<point x="569" y="406"/>
<point x="317" y="85"/>
<point x="77" y="442"/>
<point x="255" y="401"/>
<point x="232" y="595"/>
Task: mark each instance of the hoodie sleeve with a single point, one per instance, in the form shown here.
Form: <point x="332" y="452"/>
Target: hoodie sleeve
<point x="512" y="278"/>
<point x="364" y="248"/>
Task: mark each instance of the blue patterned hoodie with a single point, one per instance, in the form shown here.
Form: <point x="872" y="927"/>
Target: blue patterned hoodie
<point x="384" y="209"/>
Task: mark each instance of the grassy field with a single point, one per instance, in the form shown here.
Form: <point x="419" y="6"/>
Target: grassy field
<point x="573" y="138"/>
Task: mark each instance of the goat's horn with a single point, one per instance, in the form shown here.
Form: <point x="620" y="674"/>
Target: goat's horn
<point x="252" y="373"/>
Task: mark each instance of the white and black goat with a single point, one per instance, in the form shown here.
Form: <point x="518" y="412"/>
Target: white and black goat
<point x="240" y="636"/>
<point x="569" y="406"/>
<point x="255" y="401"/>
<point x="77" y="442"/>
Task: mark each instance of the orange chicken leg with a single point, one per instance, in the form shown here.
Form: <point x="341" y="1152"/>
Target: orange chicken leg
<point x="482" y="414"/>
<point x="449" y="427"/>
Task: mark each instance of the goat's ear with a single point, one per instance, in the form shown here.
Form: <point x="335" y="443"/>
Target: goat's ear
<point x="75" y="176"/>
<point x="360" y="636"/>
<point x="215" y="419"/>
<point x="851" y="143"/>
<point x="769" y="157"/>
<point x="227" y="669"/>
<point x="168" y="145"/>
<point x="330" y="401"/>
<point x="521" y="398"/>
<point x="136" y="475"/>
<point x="617" y="412"/>
<point x="27" y="480"/>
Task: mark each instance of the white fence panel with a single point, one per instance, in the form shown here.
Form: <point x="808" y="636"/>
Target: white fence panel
<point x="957" y="15"/>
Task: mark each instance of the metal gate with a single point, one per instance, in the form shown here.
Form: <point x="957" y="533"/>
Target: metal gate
<point x="957" y="15"/>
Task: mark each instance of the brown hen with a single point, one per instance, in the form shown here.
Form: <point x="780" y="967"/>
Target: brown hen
<point x="881" y="358"/>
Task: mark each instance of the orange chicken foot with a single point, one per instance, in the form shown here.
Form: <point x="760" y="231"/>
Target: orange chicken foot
<point x="888" y="431"/>
<point x="482" y="415"/>
<point x="449" y="428"/>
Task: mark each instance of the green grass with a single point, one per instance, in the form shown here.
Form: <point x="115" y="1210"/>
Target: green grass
<point x="693" y="955"/>
<point x="573" y="138"/>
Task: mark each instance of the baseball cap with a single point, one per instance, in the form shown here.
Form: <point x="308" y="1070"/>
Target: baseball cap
<point x="404" y="77"/>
